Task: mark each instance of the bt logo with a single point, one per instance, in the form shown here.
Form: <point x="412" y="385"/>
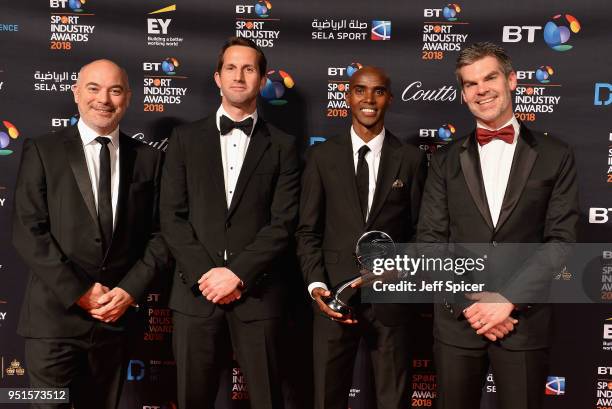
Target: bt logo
<point x="557" y="32"/>
<point x="277" y="83"/>
<point x="261" y="8"/>
<point x="340" y="71"/>
<point x="445" y="132"/>
<point x="599" y="215"/>
<point x="5" y="137"/>
<point x="449" y="12"/>
<point x="607" y="330"/>
<point x="64" y="122"/>
<point x="543" y="74"/>
<point x="75" y="5"/>
<point x="168" y="66"/>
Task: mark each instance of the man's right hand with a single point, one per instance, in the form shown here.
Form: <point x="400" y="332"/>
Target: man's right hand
<point x="319" y="292"/>
<point x="501" y="330"/>
<point x="233" y="296"/>
<point x="89" y="300"/>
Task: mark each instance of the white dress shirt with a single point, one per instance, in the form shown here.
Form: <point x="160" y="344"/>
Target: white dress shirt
<point x="92" y="158"/>
<point x="372" y="158"/>
<point x="233" y="151"/>
<point x="495" y="162"/>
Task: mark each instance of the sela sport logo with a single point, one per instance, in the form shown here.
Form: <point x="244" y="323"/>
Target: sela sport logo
<point x="381" y="30"/>
<point x="555" y="385"/>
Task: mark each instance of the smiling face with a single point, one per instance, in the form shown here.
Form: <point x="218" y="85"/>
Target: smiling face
<point x="102" y="95"/>
<point x="487" y="91"/>
<point x="239" y="79"/>
<point x="368" y="97"/>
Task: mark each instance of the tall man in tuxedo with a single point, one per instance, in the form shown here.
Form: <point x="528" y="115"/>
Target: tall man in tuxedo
<point x="502" y="183"/>
<point x="363" y="180"/>
<point x="229" y="207"/>
<point x="86" y="224"/>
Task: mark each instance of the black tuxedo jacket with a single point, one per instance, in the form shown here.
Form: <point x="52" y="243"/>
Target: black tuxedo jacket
<point x="540" y="206"/>
<point x="56" y="231"/>
<point x="254" y="231"/>
<point x="331" y="222"/>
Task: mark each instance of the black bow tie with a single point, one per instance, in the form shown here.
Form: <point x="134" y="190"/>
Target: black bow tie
<point x="226" y="125"/>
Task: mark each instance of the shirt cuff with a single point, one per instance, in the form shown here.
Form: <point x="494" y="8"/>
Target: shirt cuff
<point x="314" y="285"/>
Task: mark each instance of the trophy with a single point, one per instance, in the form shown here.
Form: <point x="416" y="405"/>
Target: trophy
<point x="371" y="245"/>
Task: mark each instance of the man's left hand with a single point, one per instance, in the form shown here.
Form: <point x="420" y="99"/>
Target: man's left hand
<point x="218" y="283"/>
<point x="233" y="296"/>
<point x="114" y="304"/>
<point x="489" y="310"/>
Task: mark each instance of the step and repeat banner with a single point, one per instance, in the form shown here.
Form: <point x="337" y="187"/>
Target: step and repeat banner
<point x="561" y="52"/>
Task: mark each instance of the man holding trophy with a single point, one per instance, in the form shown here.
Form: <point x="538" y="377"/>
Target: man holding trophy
<point x="364" y="180"/>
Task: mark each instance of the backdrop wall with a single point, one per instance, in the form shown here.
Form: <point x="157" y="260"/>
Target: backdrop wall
<point x="561" y="51"/>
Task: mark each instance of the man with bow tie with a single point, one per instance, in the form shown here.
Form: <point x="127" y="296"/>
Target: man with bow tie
<point x="365" y="179"/>
<point x="228" y="211"/>
<point x="501" y="184"/>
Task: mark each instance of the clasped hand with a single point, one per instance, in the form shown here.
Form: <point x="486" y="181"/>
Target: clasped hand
<point x="105" y="304"/>
<point x="220" y="286"/>
<point x="490" y="315"/>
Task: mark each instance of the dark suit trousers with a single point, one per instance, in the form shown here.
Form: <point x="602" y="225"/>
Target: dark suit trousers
<point x="92" y="366"/>
<point x="335" y="347"/>
<point x="520" y="376"/>
<point x="202" y="348"/>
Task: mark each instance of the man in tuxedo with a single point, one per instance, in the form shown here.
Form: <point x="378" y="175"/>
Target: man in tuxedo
<point x="86" y="224"/>
<point x="363" y="180"/>
<point x="502" y="183"/>
<point x="229" y="207"/>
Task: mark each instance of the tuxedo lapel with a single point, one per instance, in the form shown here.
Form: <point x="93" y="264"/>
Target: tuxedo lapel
<point x="344" y="167"/>
<point x="76" y="157"/>
<point x="126" y="169"/>
<point x="390" y="161"/>
<point x="522" y="163"/>
<point x="470" y="166"/>
<point x="210" y="152"/>
<point x="260" y="140"/>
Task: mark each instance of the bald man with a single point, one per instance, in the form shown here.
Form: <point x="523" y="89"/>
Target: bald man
<point x="86" y="224"/>
<point x="363" y="180"/>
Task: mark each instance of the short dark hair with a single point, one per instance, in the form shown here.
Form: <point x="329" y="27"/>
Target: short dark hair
<point x="371" y="68"/>
<point x="478" y="51"/>
<point x="262" y="63"/>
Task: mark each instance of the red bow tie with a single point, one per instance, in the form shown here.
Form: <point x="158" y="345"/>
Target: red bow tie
<point x="484" y="136"/>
